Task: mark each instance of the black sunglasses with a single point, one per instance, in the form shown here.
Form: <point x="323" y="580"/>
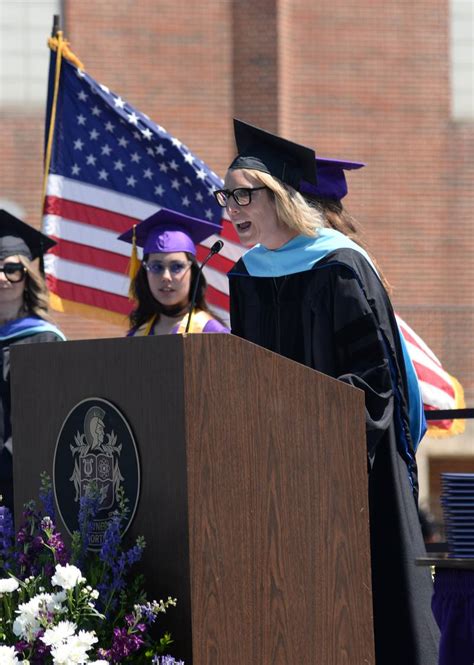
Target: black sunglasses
<point x="242" y="195"/>
<point x="14" y="272"/>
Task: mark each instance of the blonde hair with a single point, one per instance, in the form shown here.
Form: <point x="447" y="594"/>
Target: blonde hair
<point x="35" y="295"/>
<point x="292" y="210"/>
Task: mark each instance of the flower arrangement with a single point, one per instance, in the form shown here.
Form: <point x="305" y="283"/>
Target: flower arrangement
<point x="73" y="607"/>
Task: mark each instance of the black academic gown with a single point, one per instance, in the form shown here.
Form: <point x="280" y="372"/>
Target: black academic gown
<point x="337" y="319"/>
<point x="6" y="465"/>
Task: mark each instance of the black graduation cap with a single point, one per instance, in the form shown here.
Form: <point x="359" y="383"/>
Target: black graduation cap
<point x="16" y="237"/>
<point x="283" y="159"/>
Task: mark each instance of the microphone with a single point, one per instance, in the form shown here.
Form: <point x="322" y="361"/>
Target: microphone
<point x="215" y="249"/>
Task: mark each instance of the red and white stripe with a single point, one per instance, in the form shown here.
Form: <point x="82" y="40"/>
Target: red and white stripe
<point x="439" y="390"/>
<point x="436" y="384"/>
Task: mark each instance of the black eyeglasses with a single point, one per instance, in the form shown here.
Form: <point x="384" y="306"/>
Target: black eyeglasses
<point x="242" y="195"/>
<point x="14" y="272"/>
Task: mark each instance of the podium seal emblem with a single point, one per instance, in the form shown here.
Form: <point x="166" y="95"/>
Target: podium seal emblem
<point x="95" y="449"/>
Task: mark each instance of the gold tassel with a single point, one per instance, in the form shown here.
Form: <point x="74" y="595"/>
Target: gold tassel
<point x="58" y="42"/>
<point x="457" y="426"/>
<point x="134" y="265"/>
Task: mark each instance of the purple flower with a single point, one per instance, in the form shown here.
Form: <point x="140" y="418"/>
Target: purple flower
<point x="7" y="536"/>
<point x="110" y="548"/>
<point x="88" y="509"/>
<point x="21" y="646"/>
<point x="46" y="496"/>
<point x="21" y="535"/>
<point x="40" y="651"/>
<point x="147" y="614"/>
<point x="123" y="645"/>
<point x="117" y="563"/>
<point x="35" y="540"/>
<point x="55" y="542"/>
<point x="134" y="554"/>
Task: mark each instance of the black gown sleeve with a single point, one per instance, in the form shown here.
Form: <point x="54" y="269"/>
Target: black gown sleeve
<point x="6" y="468"/>
<point x="360" y="353"/>
<point x="5" y="397"/>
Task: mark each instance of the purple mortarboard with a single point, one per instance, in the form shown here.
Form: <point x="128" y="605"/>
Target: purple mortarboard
<point x="262" y="151"/>
<point x="331" y="180"/>
<point x="16" y="237"/>
<point x="170" y="231"/>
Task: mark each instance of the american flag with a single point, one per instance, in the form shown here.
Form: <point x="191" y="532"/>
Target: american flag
<point x="439" y="390"/>
<point x="112" y="166"/>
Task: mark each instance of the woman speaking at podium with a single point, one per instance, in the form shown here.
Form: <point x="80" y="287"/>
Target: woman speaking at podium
<point x="163" y="284"/>
<point x="313" y="295"/>
<point x="23" y="319"/>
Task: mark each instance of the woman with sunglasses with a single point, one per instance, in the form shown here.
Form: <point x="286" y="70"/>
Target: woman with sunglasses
<point x="24" y="319"/>
<point x="166" y="278"/>
<point x="310" y="293"/>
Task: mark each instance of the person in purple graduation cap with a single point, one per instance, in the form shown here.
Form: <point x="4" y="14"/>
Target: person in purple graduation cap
<point x="329" y="190"/>
<point x="24" y="319"/>
<point x="165" y="280"/>
<point x="327" y="194"/>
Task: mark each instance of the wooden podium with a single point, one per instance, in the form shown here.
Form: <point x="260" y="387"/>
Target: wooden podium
<point x="253" y="496"/>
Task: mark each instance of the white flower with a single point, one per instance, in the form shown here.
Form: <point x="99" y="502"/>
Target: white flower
<point x="67" y="576"/>
<point x="71" y="648"/>
<point x="8" y="585"/>
<point x="98" y="662"/>
<point x="56" y="602"/>
<point x="59" y="633"/>
<point x="71" y="652"/>
<point x="27" y="624"/>
<point x="87" y="638"/>
<point x="8" y="656"/>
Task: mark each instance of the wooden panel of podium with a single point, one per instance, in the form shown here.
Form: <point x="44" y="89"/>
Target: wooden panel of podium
<point x="253" y="488"/>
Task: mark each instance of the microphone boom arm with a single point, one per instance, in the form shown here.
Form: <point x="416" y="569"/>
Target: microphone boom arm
<point x="216" y="247"/>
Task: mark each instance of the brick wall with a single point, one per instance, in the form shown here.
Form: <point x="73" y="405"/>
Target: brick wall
<point x="362" y="80"/>
<point x="172" y="60"/>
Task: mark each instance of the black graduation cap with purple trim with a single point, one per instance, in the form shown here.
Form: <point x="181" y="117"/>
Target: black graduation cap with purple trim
<point x="262" y="151"/>
<point x="16" y="237"/>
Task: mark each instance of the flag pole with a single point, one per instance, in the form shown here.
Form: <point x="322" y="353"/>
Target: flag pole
<point x="56" y="25"/>
<point x="58" y="36"/>
<point x="58" y="44"/>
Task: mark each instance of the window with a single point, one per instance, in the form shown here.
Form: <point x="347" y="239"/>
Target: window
<point x="25" y="26"/>
<point x="462" y="59"/>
